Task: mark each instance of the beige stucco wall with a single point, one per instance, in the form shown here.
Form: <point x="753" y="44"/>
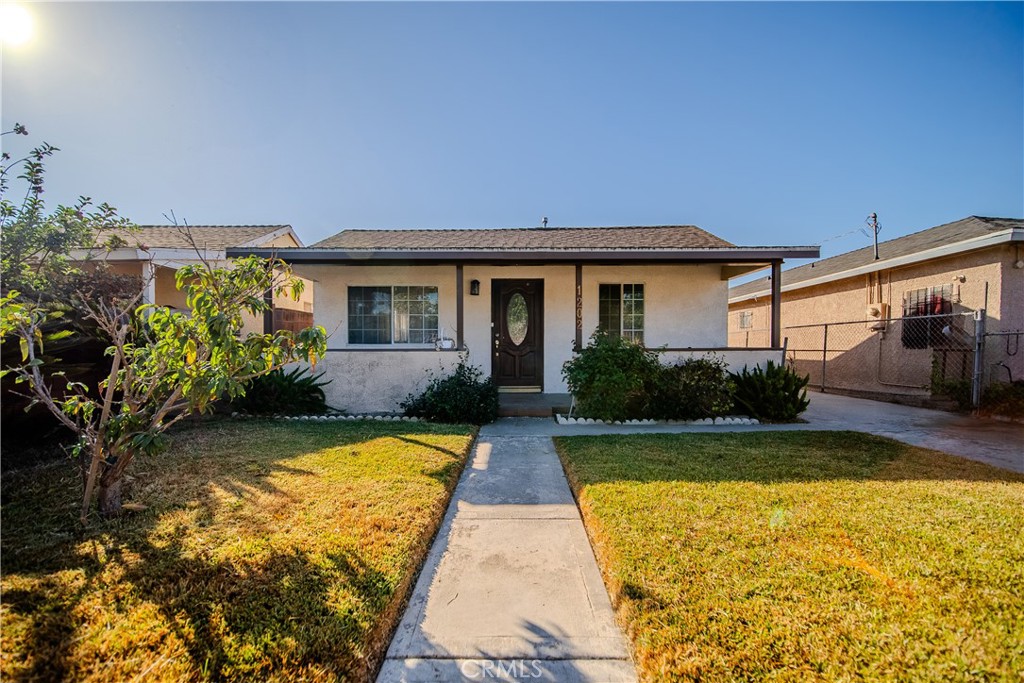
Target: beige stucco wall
<point x="119" y="267"/>
<point x="684" y="307"/>
<point x="861" y="359"/>
<point x="283" y="241"/>
<point x="167" y="293"/>
<point x="735" y="359"/>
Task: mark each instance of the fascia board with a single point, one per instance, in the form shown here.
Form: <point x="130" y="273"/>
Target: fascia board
<point x="980" y="242"/>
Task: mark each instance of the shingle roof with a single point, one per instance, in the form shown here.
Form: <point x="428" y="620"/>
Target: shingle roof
<point x="527" y="239"/>
<point x="940" y="236"/>
<point x="206" y="236"/>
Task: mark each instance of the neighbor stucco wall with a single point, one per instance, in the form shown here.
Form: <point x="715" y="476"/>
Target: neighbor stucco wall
<point x="119" y="267"/>
<point x="862" y="359"/>
<point x="685" y="307"/>
<point x="167" y="293"/>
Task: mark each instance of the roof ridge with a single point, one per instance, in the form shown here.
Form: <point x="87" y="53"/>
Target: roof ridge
<point x="532" y="227"/>
<point x="216" y="225"/>
<point x="963" y="230"/>
<point x="871" y="247"/>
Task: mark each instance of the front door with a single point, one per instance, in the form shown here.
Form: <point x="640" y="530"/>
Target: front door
<point x="517" y="331"/>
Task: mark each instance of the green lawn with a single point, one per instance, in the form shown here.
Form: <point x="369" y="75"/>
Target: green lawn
<point x="795" y="556"/>
<point x="269" y="551"/>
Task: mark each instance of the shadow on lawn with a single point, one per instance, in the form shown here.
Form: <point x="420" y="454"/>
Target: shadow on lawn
<point x="277" y="607"/>
<point x="766" y="457"/>
<point x="243" y="617"/>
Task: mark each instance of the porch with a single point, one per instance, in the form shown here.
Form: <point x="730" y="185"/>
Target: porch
<point x="518" y="404"/>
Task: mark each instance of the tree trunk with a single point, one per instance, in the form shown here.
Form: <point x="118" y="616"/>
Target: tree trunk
<point x="109" y="495"/>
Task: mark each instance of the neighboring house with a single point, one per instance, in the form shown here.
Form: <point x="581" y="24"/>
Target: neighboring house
<point x="155" y="253"/>
<point x="400" y="303"/>
<point x="897" y="324"/>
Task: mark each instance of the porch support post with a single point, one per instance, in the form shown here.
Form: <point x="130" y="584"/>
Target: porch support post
<point x="268" y="314"/>
<point x="460" y="306"/>
<point x="148" y="282"/>
<point x="776" y="341"/>
<point x="579" y="306"/>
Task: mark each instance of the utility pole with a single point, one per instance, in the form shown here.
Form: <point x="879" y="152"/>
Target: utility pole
<point x="872" y="222"/>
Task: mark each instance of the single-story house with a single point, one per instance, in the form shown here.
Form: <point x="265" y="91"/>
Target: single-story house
<point x="155" y="253"/>
<point x="400" y="303"/>
<point x="896" y="324"/>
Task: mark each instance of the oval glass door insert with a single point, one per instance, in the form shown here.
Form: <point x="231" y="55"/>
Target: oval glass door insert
<point x="516" y="316"/>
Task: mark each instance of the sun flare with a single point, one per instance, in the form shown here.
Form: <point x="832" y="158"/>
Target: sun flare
<point x="15" y="24"/>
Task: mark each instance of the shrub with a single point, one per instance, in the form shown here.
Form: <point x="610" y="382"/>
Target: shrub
<point x="1002" y="398"/>
<point x="609" y="378"/>
<point x="295" y="392"/>
<point x="693" y="389"/>
<point x="958" y="390"/>
<point x="775" y="394"/>
<point x="459" y="398"/>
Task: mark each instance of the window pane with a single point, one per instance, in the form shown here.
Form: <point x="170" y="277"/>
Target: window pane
<point x="369" y="319"/>
<point x="609" y="309"/>
<point x="633" y="313"/>
<point x="386" y="315"/>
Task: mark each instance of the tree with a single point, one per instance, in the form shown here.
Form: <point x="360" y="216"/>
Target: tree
<point x="165" y="365"/>
<point x="41" y="256"/>
<point x="35" y="247"/>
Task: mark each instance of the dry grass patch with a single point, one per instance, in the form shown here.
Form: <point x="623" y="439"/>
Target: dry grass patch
<point x="803" y="556"/>
<point x="270" y="551"/>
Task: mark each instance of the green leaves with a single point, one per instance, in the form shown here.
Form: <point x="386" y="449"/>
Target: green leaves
<point x="295" y="392"/>
<point x="36" y="246"/>
<point x="692" y="389"/>
<point x="608" y="377"/>
<point x="464" y="396"/>
<point x="202" y="354"/>
<point x="775" y="394"/>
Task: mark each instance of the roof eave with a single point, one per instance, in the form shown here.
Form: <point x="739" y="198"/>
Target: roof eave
<point x="972" y="244"/>
<point x="371" y="257"/>
<point x="155" y="254"/>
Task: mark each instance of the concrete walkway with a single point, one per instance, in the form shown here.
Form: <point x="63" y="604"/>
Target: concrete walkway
<point x="996" y="443"/>
<point x="510" y="590"/>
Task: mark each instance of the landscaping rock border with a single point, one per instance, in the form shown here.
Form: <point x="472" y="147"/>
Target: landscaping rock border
<point x="706" y="422"/>
<point x="333" y="418"/>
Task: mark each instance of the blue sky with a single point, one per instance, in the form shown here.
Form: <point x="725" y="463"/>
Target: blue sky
<point x="767" y="123"/>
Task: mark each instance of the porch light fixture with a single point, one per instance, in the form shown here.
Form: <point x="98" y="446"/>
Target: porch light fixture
<point x="474" y="287"/>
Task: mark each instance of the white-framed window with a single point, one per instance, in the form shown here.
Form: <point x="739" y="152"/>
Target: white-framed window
<point x="395" y="314"/>
<point x="746" y="320"/>
<point x="621" y="310"/>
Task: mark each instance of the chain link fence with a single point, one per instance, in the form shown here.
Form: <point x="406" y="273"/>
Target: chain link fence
<point x="920" y="357"/>
<point x="902" y="356"/>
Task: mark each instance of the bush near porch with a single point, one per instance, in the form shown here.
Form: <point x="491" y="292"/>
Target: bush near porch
<point x="613" y="378"/>
<point x="269" y="551"/>
<point x="464" y="396"/>
<point x="805" y="556"/>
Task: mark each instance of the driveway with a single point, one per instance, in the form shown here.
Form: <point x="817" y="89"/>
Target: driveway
<point x="1000" y="444"/>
